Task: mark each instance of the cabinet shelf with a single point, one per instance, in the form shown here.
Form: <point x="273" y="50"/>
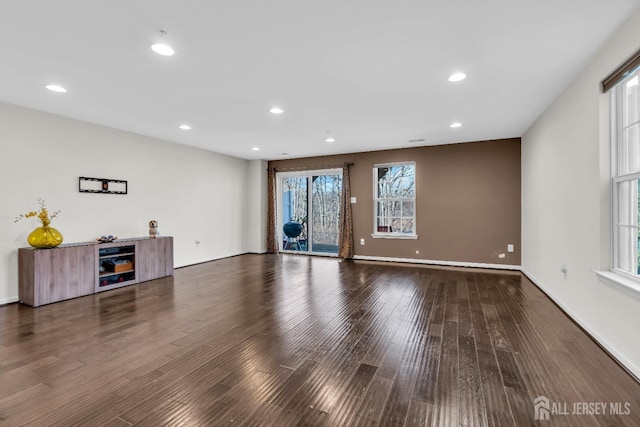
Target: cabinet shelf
<point x="73" y="270"/>
<point x="116" y="255"/>
<point x="115" y="273"/>
<point x="117" y="285"/>
<point x="116" y="265"/>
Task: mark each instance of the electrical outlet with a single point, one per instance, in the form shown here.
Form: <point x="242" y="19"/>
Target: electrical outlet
<point x="354" y="200"/>
<point x="362" y="242"/>
<point x="417" y="252"/>
<point x="501" y="256"/>
<point x="509" y="247"/>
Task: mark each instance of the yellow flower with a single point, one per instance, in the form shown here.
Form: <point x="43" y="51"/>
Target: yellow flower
<point x="43" y="214"/>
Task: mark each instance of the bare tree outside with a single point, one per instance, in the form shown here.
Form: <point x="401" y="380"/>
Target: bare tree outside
<point x="297" y="209"/>
<point x="323" y="224"/>
<point x="326" y="211"/>
<point x="395" y="199"/>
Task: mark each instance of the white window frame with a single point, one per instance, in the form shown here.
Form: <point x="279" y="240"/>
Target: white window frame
<point x="617" y="178"/>
<point x="393" y="235"/>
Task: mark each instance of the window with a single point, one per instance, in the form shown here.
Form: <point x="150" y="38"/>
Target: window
<point x="395" y="200"/>
<point x="626" y="174"/>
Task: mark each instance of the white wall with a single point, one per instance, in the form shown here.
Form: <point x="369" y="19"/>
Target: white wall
<point x="566" y="204"/>
<point x="256" y="218"/>
<point x="192" y="193"/>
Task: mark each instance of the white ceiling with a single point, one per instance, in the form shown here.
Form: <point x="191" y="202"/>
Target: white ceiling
<point x="371" y="72"/>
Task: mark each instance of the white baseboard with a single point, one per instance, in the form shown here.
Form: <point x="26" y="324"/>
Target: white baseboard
<point x="613" y="352"/>
<point x="4" y="301"/>
<point x="437" y="262"/>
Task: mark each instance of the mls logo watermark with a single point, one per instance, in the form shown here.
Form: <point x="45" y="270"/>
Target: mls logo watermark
<point x="543" y="408"/>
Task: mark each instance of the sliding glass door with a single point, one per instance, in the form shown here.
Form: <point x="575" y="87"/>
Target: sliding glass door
<point x="309" y="211"/>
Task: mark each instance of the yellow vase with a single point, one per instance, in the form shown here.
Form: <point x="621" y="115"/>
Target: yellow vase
<point x="44" y="237"/>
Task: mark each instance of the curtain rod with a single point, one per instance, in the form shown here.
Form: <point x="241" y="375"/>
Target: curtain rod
<point x="621" y="72"/>
<point x="302" y="168"/>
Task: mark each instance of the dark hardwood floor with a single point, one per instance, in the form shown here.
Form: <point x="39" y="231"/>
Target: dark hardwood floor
<point x="295" y="340"/>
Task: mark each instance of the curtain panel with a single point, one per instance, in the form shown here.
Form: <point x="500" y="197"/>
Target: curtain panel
<point x="345" y="241"/>
<point x="272" y="243"/>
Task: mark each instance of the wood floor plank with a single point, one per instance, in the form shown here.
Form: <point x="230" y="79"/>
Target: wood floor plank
<point x="427" y="375"/>
<point x="342" y="413"/>
<point x="495" y="399"/>
<point x="8" y="404"/>
<point x="287" y="391"/>
<point x="289" y="340"/>
<point x="373" y="403"/>
<point x="419" y="414"/>
<point x="470" y="396"/>
<point x="446" y="403"/>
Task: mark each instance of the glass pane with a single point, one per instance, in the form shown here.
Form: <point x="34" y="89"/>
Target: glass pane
<point x="407" y="225"/>
<point x="385" y="208"/>
<point x="631" y="150"/>
<point x="294" y="214"/>
<point x="403" y="179"/>
<point x="629" y="202"/>
<point x="326" y="191"/>
<point x="629" y="134"/>
<point x="396" y="181"/>
<point x="628" y="249"/>
<point x="406" y="187"/>
<point x="396" y="225"/>
<point x="630" y="101"/>
<point x="407" y="208"/>
<point x="628" y="223"/>
<point x="624" y="209"/>
<point x="383" y="225"/>
<point x="383" y="191"/>
<point x="395" y="209"/>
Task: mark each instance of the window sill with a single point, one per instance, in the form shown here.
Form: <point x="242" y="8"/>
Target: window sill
<point x="395" y="236"/>
<point x="626" y="281"/>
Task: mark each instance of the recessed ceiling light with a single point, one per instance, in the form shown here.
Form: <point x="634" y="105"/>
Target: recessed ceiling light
<point x="276" y="110"/>
<point x="456" y="77"/>
<point x="256" y="148"/>
<point x="162" y="49"/>
<point x="455" y="125"/>
<point x="330" y="139"/>
<point x="185" y="127"/>
<point x="56" y="88"/>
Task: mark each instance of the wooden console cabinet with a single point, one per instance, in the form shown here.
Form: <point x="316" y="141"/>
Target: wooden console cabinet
<point x="74" y="270"/>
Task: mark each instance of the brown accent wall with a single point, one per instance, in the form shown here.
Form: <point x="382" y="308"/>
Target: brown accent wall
<point x="467" y="200"/>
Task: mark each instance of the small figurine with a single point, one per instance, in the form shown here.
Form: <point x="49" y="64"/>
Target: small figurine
<point x="153" y="228"/>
